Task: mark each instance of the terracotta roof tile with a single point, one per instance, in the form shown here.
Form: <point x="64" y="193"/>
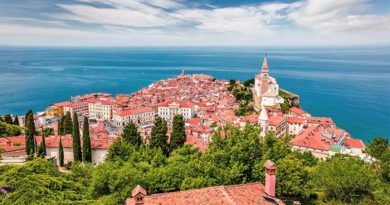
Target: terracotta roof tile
<point x="355" y="143"/>
<point x="248" y="194"/>
<point x="297" y="110"/>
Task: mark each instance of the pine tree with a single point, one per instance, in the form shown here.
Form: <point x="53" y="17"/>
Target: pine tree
<point x="77" y="156"/>
<point x="159" y="138"/>
<point x="30" y="130"/>
<point x="61" y="126"/>
<point x="87" y="150"/>
<point x="178" y="135"/>
<point x="61" y="153"/>
<point x="131" y="135"/>
<point x="16" y="120"/>
<point x="8" y="119"/>
<point x="67" y="125"/>
<point x="42" y="146"/>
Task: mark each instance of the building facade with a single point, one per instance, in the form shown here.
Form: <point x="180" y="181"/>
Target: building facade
<point x="100" y="109"/>
<point x="142" y="117"/>
<point x="168" y="110"/>
<point x="99" y="148"/>
<point x="81" y="108"/>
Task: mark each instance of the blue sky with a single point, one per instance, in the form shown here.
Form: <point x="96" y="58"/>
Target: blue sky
<point x="194" y="23"/>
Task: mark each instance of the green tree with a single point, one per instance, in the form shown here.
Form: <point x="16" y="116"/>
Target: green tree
<point x="16" y="120"/>
<point x="377" y="147"/>
<point x="131" y="135"/>
<point x="159" y="138"/>
<point x="7" y="130"/>
<point x="293" y="178"/>
<point x="77" y="155"/>
<point x="87" y="150"/>
<point x="67" y="124"/>
<point x="346" y="179"/>
<point x="385" y="166"/>
<point x="40" y="182"/>
<point x="61" y="153"/>
<point x="178" y="135"/>
<point x="42" y="146"/>
<point x="8" y="119"/>
<point x="30" y="131"/>
<point x="120" y="150"/>
<point x="48" y="131"/>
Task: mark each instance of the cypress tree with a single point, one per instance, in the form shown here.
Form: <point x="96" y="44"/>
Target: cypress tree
<point x="178" y="135"/>
<point x="131" y="135"/>
<point x="8" y="119"/>
<point x="30" y="130"/>
<point x="61" y="153"/>
<point x="60" y="129"/>
<point x="25" y="117"/>
<point x="159" y="138"/>
<point x="67" y="125"/>
<point x="26" y="132"/>
<point x="42" y="146"/>
<point x="76" y="139"/>
<point x="16" y="120"/>
<point x="87" y="150"/>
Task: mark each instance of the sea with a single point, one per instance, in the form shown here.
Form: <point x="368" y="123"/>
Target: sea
<point x="349" y="84"/>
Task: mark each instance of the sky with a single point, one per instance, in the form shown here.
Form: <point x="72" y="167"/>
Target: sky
<point x="194" y="22"/>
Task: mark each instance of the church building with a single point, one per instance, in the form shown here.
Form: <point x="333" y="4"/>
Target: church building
<point x="266" y="88"/>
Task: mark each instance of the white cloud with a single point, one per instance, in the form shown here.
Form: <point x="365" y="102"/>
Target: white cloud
<point x="173" y="22"/>
<point x="338" y="16"/>
<point x="247" y="20"/>
<point x="124" y="13"/>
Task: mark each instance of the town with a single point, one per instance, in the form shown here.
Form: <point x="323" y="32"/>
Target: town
<point x="204" y="102"/>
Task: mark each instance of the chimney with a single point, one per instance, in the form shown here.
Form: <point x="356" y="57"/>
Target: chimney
<point x="270" y="178"/>
<point x="138" y="193"/>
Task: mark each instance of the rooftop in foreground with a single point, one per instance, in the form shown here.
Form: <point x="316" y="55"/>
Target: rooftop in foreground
<point x="248" y="194"/>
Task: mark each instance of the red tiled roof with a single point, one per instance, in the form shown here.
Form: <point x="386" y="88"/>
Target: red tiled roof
<point x="320" y="120"/>
<point x="248" y="194"/>
<point x="313" y="138"/>
<point x="276" y="120"/>
<point x="134" y="111"/>
<point x="196" y="142"/>
<point x="76" y="104"/>
<point x="61" y="104"/>
<point x="195" y="121"/>
<point x="355" y="143"/>
<point x="96" y="143"/>
<point x="295" y="120"/>
<point x="7" y="143"/>
<point x="104" y="102"/>
<point x="183" y="104"/>
<point x="253" y="118"/>
<point x="297" y="110"/>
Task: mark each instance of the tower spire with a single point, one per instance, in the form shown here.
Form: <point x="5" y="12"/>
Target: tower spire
<point x="263" y="121"/>
<point x="264" y="68"/>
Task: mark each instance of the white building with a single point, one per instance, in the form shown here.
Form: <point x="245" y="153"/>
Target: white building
<point x="266" y="88"/>
<point x="100" y="109"/>
<point x="142" y="117"/>
<point x="81" y="108"/>
<point x="169" y="109"/>
<point x="99" y="149"/>
<point x="295" y="125"/>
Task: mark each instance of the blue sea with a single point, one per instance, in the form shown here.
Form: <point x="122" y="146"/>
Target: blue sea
<point x="350" y="85"/>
